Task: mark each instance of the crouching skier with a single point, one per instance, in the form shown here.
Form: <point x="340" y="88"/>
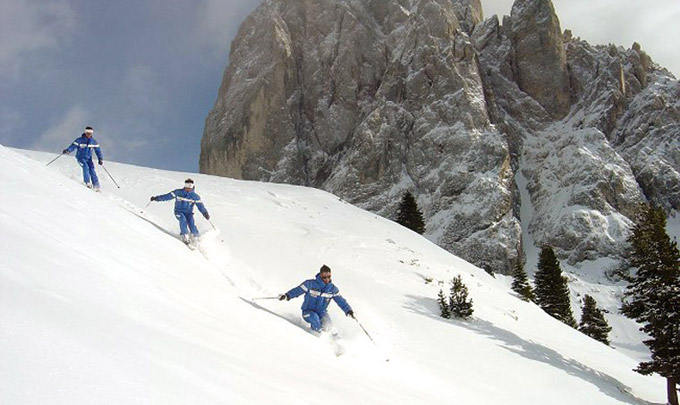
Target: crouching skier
<point x="185" y="199"/>
<point x="318" y="293"/>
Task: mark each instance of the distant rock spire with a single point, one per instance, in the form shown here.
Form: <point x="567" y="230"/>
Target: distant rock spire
<point x="540" y="59"/>
<point x="469" y="13"/>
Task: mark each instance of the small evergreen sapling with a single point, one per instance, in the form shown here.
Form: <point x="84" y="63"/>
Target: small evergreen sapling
<point x="593" y="322"/>
<point x="444" y="309"/>
<point x="459" y="304"/>
<point x="409" y="215"/>
<point x="520" y="283"/>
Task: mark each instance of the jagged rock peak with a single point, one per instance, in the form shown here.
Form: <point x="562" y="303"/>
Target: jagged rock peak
<point x="480" y="121"/>
<point x="540" y="58"/>
<point x="469" y="13"/>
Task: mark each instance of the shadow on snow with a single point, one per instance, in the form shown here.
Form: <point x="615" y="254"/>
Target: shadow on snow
<point x="534" y="351"/>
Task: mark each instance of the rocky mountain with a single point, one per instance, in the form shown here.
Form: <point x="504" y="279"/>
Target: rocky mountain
<point x="478" y="119"/>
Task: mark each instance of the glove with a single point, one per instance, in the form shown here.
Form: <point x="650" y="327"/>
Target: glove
<point x="283" y="297"/>
<point x="65" y="151"/>
<point x="154" y="198"/>
<point x="206" y="215"/>
<point x="101" y="162"/>
<point x="350" y="313"/>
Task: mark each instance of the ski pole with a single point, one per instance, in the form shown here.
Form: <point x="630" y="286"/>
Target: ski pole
<point x="212" y="224"/>
<point x="364" y="329"/>
<point x="147" y="204"/>
<point x="58" y="156"/>
<point x="107" y="172"/>
<point x="265" y="298"/>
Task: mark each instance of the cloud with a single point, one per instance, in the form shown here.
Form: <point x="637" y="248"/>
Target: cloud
<point x="10" y="123"/>
<point x="621" y="22"/>
<point x="59" y="135"/>
<point x="219" y="21"/>
<point x="140" y="91"/>
<point x="114" y="140"/>
<point x="28" y="26"/>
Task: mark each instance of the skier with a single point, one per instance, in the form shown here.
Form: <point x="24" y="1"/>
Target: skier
<point x="185" y="199"/>
<point x="85" y="143"/>
<point x="318" y="293"/>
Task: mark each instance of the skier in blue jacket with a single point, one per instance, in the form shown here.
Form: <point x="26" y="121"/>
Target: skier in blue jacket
<point x="185" y="199"/>
<point x="85" y="143"/>
<point x="318" y="294"/>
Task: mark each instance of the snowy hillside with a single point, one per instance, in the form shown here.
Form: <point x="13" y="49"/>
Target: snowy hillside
<point x="99" y="303"/>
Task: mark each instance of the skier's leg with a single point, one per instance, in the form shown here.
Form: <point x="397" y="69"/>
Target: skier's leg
<point x="326" y="323"/>
<point x="86" y="171"/>
<point x="192" y="224"/>
<point x="313" y="319"/>
<point x="182" y="223"/>
<point x="93" y="174"/>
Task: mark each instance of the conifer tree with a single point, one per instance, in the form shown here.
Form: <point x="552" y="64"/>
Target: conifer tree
<point x="593" y="322"/>
<point x="443" y="305"/>
<point x="552" y="289"/>
<point x="409" y="215"/>
<point x="520" y="283"/>
<point x="653" y="296"/>
<point x="459" y="305"/>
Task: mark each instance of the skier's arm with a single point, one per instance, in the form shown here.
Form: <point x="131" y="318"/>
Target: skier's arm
<point x="98" y="151"/>
<point x="165" y="197"/>
<point x="201" y="208"/>
<point x="71" y="147"/>
<point x="297" y="291"/>
<point x="342" y="303"/>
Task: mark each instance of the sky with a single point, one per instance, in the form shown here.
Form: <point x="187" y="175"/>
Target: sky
<point x="131" y="316"/>
<point x="145" y="74"/>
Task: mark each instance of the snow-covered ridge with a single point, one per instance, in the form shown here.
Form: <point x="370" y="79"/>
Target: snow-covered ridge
<point x="99" y="305"/>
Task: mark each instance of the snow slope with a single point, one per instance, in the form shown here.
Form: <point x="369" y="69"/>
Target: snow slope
<point x="100" y="303"/>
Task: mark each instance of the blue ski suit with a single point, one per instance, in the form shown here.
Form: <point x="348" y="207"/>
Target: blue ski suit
<point x="84" y="145"/>
<point x="317" y="297"/>
<point x="184" y="208"/>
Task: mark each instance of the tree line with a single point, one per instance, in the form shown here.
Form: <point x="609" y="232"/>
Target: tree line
<point x="652" y="296"/>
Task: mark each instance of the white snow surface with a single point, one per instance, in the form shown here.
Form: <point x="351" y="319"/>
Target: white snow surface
<point x="100" y="303"/>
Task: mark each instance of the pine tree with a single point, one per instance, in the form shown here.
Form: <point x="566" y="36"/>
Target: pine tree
<point x="444" y="309"/>
<point x="459" y="305"/>
<point x="593" y="322"/>
<point x="409" y="215"/>
<point x="552" y="289"/>
<point x="653" y="296"/>
<point x="520" y="283"/>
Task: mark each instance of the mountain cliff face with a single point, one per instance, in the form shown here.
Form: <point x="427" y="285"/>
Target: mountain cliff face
<point x="369" y="98"/>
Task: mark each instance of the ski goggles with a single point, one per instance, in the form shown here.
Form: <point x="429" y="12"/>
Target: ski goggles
<point x="188" y="185"/>
<point x="89" y="131"/>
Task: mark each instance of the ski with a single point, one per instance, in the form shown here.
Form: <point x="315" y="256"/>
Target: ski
<point x="91" y="187"/>
<point x="192" y="245"/>
<point x="331" y="337"/>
